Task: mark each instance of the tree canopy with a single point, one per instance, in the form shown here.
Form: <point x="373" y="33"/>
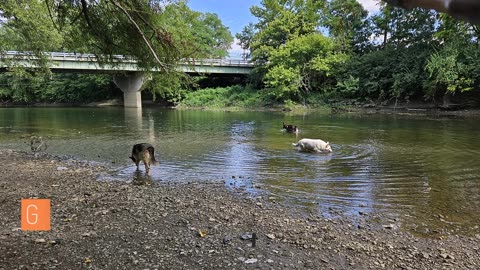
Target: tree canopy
<point x="156" y="33"/>
<point x="335" y="51"/>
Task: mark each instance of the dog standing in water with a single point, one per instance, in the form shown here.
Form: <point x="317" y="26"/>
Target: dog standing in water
<point x="313" y="145"/>
<point x="290" y="128"/>
<point x="37" y="144"/>
<point x="144" y="152"/>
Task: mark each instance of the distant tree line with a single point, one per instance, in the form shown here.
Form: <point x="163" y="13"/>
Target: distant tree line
<point x="314" y="50"/>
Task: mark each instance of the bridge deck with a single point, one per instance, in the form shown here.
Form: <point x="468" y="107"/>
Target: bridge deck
<point x="90" y="63"/>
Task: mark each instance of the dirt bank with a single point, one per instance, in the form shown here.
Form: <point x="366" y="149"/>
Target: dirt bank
<point x="117" y="225"/>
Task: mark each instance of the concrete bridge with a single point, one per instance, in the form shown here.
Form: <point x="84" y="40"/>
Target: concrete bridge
<point x="128" y="77"/>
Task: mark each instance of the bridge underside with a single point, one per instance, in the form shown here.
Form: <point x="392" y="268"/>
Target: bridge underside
<point x="131" y="82"/>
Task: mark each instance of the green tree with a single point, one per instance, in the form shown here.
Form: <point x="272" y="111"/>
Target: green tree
<point x="280" y="21"/>
<point x="348" y="24"/>
<point x="454" y="66"/>
<point x="286" y="46"/>
<point x="155" y="33"/>
<point x="394" y="65"/>
<point x="400" y="28"/>
<point x="303" y="65"/>
<point x="141" y="29"/>
<point x="197" y="35"/>
<point x="27" y="27"/>
<point x="245" y="39"/>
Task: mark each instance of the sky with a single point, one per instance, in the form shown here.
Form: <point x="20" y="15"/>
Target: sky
<point x="236" y="14"/>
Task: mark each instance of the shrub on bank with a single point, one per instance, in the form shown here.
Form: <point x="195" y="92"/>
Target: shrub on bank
<point x="231" y="96"/>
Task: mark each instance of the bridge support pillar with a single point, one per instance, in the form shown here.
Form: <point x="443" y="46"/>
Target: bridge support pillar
<point x="130" y="85"/>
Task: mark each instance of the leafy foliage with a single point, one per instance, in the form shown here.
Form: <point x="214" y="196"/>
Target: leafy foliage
<point x="305" y="51"/>
<point x="22" y="86"/>
<point x="170" y="87"/>
<point x="232" y="96"/>
<point x="348" y="24"/>
<point x="245" y="39"/>
<point x="155" y="33"/>
<point x="27" y="27"/>
<point x="395" y="54"/>
<point x="304" y="63"/>
<point x="196" y="34"/>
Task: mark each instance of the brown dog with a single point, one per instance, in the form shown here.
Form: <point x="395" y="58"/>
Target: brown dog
<point x="144" y="152"/>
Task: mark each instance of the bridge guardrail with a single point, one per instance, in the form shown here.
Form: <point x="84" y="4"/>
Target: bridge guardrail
<point x="65" y="56"/>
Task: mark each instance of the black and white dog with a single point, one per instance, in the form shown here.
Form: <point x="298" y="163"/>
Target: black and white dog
<point x="290" y="128"/>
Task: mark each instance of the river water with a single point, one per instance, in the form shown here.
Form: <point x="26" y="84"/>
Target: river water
<point x="423" y="171"/>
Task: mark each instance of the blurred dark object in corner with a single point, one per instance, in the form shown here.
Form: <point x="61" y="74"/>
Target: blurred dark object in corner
<point x="468" y="10"/>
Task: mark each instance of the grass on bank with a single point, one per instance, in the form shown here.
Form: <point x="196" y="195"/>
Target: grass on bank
<point x="244" y="97"/>
<point x="231" y="96"/>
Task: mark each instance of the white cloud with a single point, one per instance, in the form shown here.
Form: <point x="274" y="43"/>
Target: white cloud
<point x="378" y="39"/>
<point x="371" y="6"/>
<point x="235" y="52"/>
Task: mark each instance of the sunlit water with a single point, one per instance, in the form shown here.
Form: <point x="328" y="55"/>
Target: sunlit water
<point x="422" y="170"/>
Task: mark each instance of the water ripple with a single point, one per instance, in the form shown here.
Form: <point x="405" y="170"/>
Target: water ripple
<point x="414" y="167"/>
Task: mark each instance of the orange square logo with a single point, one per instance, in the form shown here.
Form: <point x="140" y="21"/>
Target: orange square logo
<point x="35" y="214"/>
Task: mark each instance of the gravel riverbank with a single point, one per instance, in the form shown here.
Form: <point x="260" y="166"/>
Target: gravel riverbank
<point x="118" y="225"/>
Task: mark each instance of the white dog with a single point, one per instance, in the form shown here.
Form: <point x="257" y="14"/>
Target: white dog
<point x="313" y="145"/>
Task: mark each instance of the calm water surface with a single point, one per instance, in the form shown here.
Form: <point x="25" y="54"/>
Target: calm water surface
<point x="424" y="171"/>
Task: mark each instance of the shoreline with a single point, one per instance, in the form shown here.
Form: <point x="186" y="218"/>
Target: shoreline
<point x="119" y="225"/>
<point x="402" y="109"/>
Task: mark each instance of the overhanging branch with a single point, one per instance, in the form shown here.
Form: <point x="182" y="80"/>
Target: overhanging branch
<point x="152" y="51"/>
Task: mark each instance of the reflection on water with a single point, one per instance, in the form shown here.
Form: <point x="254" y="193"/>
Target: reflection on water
<point x="422" y="170"/>
<point x="140" y="178"/>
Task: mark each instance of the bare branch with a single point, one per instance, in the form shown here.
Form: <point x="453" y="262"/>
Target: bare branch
<point x="51" y="16"/>
<point x="152" y="51"/>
